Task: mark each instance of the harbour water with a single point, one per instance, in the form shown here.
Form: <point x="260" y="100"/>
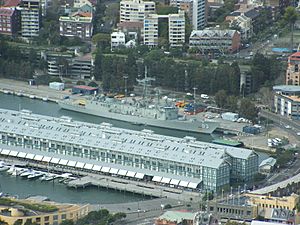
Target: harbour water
<point x="59" y="192"/>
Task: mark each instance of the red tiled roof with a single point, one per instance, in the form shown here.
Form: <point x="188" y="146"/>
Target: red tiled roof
<point x="11" y="3"/>
<point x="295" y="56"/>
<point x="6" y="12"/>
<point x="83" y="14"/>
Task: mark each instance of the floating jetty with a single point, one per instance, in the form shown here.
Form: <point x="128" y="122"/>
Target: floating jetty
<point x="28" y="95"/>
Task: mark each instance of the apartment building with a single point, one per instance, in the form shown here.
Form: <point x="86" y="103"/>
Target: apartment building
<point x="117" y="40"/>
<point x="76" y="25"/>
<point x="151" y="30"/>
<point x="287" y="100"/>
<point x="30" y="18"/>
<point x="176" y="27"/>
<point x="135" y="10"/>
<point x="293" y="69"/>
<point x="199" y="14"/>
<point x="215" y="40"/>
<point x="9" y="21"/>
<point x="244" y="24"/>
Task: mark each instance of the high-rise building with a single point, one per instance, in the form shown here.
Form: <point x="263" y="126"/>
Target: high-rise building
<point x="9" y="21"/>
<point x="176" y="24"/>
<point x="199" y="14"/>
<point x="135" y="10"/>
<point x="151" y="30"/>
<point x="177" y="29"/>
<point x="293" y="69"/>
<point x="30" y="18"/>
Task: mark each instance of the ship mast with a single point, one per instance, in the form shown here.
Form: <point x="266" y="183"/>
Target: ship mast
<point x="146" y="82"/>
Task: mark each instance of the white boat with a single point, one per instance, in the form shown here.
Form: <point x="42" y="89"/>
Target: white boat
<point x="18" y="171"/>
<point x="35" y="175"/>
<point x="6" y="92"/>
<point x="45" y="99"/>
<point x="20" y="94"/>
<point x="32" y="96"/>
<point x="26" y="173"/>
<point x="4" y="168"/>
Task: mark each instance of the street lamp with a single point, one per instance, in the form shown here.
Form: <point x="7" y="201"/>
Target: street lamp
<point x="195" y="99"/>
<point x="125" y="81"/>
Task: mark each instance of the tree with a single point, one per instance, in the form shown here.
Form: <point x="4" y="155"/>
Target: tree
<point x="80" y="82"/>
<point x="290" y="17"/>
<point x="221" y="98"/>
<point x="248" y="109"/>
<point x="98" y="65"/>
<point x="67" y="222"/>
<point x="3" y="222"/>
<point x="18" y="222"/>
<point x="93" y="84"/>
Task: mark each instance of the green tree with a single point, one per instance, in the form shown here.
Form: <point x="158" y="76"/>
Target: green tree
<point x="80" y="82"/>
<point x="221" y="98"/>
<point x="98" y="65"/>
<point x="67" y="222"/>
<point x="3" y="222"/>
<point x="247" y="109"/>
<point x="93" y="84"/>
<point x="290" y="17"/>
<point x="18" y="222"/>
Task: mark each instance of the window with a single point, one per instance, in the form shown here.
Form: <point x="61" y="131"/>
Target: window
<point x="63" y="216"/>
<point x="46" y="218"/>
<point x="55" y="217"/>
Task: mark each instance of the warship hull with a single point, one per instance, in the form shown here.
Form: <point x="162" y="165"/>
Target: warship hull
<point x="197" y="126"/>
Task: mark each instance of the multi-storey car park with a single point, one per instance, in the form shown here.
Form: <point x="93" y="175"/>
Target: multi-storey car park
<point x="169" y="160"/>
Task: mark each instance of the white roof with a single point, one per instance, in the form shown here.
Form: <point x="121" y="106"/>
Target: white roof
<point x="130" y="174"/>
<point x="72" y="163"/>
<point x="116" y="139"/>
<point x="105" y="169"/>
<point x="183" y="183"/>
<point x="96" y="168"/>
<point x="113" y="171"/>
<point x="55" y="160"/>
<point x="174" y="181"/>
<point x="46" y="159"/>
<point x="5" y="152"/>
<point x="122" y="172"/>
<point x="165" y="180"/>
<point x="63" y="162"/>
<point x="13" y="153"/>
<point x="269" y="161"/>
<point x="30" y="156"/>
<point x="192" y="185"/>
<point x="22" y="154"/>
<point x="88" y="166"/>
<point x="156" y="178"/>
<point x="38" y="157"/>
<point x="139" y="175"/>
<point x="79" y="165"/>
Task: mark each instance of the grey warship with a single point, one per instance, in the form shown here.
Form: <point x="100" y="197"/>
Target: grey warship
<point x="143" y="111"/>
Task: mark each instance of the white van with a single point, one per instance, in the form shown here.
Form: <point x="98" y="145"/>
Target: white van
<point x="204" y="96"/>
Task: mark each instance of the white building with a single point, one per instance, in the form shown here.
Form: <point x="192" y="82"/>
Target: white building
<point x="117" y="39"/>
<point x="30" y="18"/>
<point x="177" y="29"/>
<point x="245" y="25"/>
<point x="151" y="30"/>
<point x="135" y="10"/>
<point x="199" y="14"/>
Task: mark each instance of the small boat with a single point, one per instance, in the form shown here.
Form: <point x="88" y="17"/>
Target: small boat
<point x="4" y="168"/>
<point x="45" y="99"/>
<point x="18" y="171"/>
<point x="35" y="175"/>
<point x="20" y="94"/>
<point x="32" y="96"/>
<point x="26" y="173"/>
<point x="6" y="92"/>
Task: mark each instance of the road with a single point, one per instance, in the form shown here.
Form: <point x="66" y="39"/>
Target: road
<point x="283" y="122"/>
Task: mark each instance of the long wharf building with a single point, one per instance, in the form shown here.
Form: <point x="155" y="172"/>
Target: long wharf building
<point x="169" y="160"/>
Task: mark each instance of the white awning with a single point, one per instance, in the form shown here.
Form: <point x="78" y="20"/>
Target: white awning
<point x="97" y="168"/>
<point x="55" y="160"/>
<point x="165" y="180"/>
<point x="88" y="166"/>
<point x="30" y="156"/>
<point x="22" y="154"/>
<point x="156" y="178"/>
<point x="13" y="153"/>
<point x="193" y="185"/>
<point x="79" y="165"/>
<point x="38" y="157"/>
<point x="183" y="183"/>
<point x="63" y="162"/>
<point x="174" y="182"/>
<point x="5" y="152"/>
<point x="122" y="172"/>
<point x="46" y="159"/>
<point x="113" y="171"/>
<point x="130" y="174"/>
<point x="139" y="175"/>
<point x="105" y="169"/>
<point x="71" y="163"/>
